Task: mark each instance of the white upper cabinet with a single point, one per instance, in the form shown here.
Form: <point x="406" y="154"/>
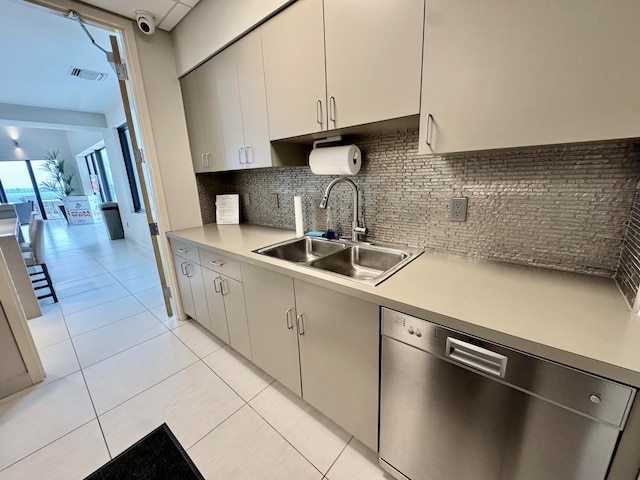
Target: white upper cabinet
<point x="224" y="69"/>
<point x="373" y="64"/>
<point x="203" y="120"/>
<point x="293" y="52"/>
<point x="253" y="101"/>
<point x="373" y="59"/>
<point x="500" y="73"/>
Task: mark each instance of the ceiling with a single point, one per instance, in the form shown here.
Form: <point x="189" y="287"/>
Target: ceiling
<point x="166" y="13"/>
<point x="40" y="47"/>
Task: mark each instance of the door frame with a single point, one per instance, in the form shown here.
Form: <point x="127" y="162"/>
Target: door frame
<point x="126" y="30"/>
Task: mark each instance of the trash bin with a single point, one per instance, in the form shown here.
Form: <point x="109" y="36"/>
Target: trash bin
<point x="111" y="215"/>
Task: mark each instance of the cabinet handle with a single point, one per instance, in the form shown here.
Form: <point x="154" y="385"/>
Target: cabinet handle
<point x="216" y="285"/>
<point x="287" y="316"/>
<point x="240" y="156"/>
<point x="332" y="110"/>
<point x="183" y="250"/>
<point x="217" y="263"/>
<point x="208" y="157"/>
<point x="222" y="284"/>
<point x="202" y="159"/>
<point x="300" y="324"/>
<point x="319" y="111"/>
<point x="246" y="154"/>
<point x="429" y="119"/>
<point x="182" y="269"/>
<point x="187" y="269"/>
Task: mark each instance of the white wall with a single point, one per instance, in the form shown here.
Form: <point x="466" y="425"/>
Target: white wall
<point x="79" y="142"/>
<point x="164" y="100"/>
<point x="34" y="143"/>
<point x="213" y="24"/>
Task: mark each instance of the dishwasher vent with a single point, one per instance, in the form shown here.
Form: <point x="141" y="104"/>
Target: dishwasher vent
<point x="87" y="74"/>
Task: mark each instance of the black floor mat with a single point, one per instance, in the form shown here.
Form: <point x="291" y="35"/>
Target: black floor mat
<point x="157" y="456"/>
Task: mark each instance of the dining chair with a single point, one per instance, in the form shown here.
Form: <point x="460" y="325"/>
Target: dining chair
<point x="35" y="258"/>
<point x="26" y="246"/>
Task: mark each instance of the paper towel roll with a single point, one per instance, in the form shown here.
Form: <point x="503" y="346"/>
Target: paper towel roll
<point x="343" y="160"/>
<point x="297" y="206"/>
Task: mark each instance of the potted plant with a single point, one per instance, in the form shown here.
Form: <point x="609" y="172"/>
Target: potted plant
<point x="59" y="180"/>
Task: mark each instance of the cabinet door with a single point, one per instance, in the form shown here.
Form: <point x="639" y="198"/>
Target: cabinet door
<point x="233" y="294"/>
<point x="215" y="304"/>
<point x="253" y="100"/>
<point x="184" y="285"/>
<point x="293" y="52"/>
<point x="339" y="358"/>
<point x="211" y="120"/>
<point x="193" y="114"/>
<point x="194" y="272"/>
<point x="374" y="59"/>
<point x="507" y="74"/>
<point x="224" y="68"/>
<point x="271" y="316"/>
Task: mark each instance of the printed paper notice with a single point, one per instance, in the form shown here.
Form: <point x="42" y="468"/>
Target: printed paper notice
<point x="228" y="209"/>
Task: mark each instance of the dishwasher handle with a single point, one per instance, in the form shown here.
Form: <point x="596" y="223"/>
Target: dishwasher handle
<point x="477" y="358"/>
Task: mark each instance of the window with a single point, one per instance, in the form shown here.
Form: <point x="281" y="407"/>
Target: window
<point x="97" y="164"/>
<point x="132" y="174"/>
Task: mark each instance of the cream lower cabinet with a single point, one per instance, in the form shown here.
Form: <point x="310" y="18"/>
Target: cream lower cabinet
<point x="192" y="291"/>
<point x="500" y="74"/>
<point x="271" y="316"/>
<point x="225" y="300"/>
<point x="321" y="344"/>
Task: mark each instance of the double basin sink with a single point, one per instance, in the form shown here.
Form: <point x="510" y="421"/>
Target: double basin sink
<point x="361" y="262"/>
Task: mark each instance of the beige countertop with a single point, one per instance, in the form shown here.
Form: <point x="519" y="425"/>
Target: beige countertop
<point x="578" y="320"/>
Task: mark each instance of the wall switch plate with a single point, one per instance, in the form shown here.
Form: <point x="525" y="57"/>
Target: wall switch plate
<point x="458" y="211"/>
<point x="247" y="199"/>
<point x="275" y="203"/>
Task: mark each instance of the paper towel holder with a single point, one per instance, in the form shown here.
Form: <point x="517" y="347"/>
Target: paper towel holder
<point x="336" y="138"/>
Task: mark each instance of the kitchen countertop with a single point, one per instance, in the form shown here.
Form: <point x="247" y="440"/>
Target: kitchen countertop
<point x="574" y="319"/>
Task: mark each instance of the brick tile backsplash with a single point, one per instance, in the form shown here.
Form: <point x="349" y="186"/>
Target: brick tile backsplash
<point x="628" y="274"/>
<point x="565" y="207"/>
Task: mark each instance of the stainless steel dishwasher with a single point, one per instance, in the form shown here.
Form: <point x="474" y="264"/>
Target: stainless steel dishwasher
<point x="454" y="406"/>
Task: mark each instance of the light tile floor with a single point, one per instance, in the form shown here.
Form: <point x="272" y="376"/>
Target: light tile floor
<point x="117" y="367"/>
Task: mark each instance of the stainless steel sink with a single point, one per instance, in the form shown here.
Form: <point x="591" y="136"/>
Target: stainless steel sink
<point x="357" y="261"/>
<point x="302" y="250"/>
<point x="364" y="263"/>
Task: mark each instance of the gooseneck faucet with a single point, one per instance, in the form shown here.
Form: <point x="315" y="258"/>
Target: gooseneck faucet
<point x="356" y="229"/>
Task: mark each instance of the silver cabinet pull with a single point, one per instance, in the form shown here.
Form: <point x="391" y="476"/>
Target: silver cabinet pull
<point x="240" y="156"/>
<point x="216" y="285"/>
<point x="183" y="250"/>
<point x="332" y="109"/>
<point x="182" y="268"/>
<point x="248" y="160"/>
<point x="288" y="319"/>
<point x="429" y="120"/>
<point x="300" y="324"/>
<point x="476" y="357"/>
<point x="186" y="268"/>
<point x="223" y="282"/>
<point x="319" y="111"/>
<point x="217" y="263"/>
<point x="208" y="157"/>
<point x="202" y="159"/>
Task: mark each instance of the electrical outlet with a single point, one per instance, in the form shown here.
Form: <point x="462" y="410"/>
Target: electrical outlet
<point x="458" y="212"/>
<point x="275" y="203"/>
<point x="247" y="199"/>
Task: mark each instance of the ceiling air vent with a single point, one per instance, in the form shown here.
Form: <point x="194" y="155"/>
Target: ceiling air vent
<point x="87" y="74"/>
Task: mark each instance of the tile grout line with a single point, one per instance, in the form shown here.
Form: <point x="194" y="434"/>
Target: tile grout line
<point x="86" y="385"/>
<point x="285" y="438"/>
